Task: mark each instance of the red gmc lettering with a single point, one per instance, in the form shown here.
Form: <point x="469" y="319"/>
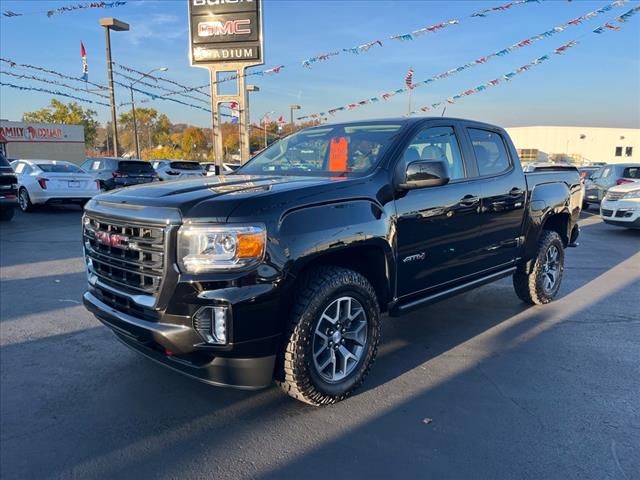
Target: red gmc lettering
<point x="230" y="27"/>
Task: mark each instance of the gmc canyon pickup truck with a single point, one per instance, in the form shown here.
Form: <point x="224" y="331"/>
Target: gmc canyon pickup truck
<point x="282" y="269"/>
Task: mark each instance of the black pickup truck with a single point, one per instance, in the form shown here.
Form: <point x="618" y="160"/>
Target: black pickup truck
<point x="282" y="269"/>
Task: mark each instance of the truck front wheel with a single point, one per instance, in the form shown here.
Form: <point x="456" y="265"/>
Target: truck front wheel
<point x="542" y="283"/>
<point x="332" y="338"/>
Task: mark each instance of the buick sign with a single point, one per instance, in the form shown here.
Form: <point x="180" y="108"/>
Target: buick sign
<point x="225" y="31"/>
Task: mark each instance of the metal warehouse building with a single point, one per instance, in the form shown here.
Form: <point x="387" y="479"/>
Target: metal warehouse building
<point x="46" y="141"/>
<point x="581" y="145"/>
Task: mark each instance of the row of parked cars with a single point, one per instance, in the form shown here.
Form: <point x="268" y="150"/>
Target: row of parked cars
<point x="39" y="182"/>
<point x="616" y="189"/>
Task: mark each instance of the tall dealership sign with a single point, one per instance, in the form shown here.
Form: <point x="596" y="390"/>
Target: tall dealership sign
<point x="226" y="36"/>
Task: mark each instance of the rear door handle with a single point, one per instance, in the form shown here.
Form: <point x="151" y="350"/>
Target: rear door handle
<point x="469" y="201"/>
<point x="516" y="192"/>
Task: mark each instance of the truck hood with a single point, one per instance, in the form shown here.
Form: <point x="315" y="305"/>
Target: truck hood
<point x="215" y="198"/>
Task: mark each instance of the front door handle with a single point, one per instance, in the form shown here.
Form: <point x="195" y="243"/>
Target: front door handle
<point x="516" y="192"/>
<point x="469" y="200"/>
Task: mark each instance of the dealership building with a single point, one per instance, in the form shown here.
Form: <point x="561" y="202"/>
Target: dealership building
<point x="579" y="145"/>
<point x="43" y="141"/>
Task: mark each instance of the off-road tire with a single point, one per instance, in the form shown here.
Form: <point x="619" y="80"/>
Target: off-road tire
<point x="6" y="214"/>
<point x="295" y="372"/>
<point x="25" y="202"/>
<point x="529" y="287"/>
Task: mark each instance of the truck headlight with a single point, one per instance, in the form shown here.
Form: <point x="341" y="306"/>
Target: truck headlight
<point x="632" y="194"/>
<point x="205" y="248"/>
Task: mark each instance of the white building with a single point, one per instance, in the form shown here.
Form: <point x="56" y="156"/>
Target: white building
<point x="43" y="141"/>
<point x="583" y="145"/>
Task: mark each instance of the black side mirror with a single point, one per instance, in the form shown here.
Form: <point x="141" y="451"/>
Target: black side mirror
<point x="423" y="173"/>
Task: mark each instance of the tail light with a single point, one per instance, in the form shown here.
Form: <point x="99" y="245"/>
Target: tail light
<point x="117" y="174"/>
<point x="98" y="184"/>
<point x="172" y="172"/>
<point x="42" y="182"/>
<point x="622" y="181"/>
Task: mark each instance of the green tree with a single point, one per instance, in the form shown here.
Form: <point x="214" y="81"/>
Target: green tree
<point x="69" y="114"/>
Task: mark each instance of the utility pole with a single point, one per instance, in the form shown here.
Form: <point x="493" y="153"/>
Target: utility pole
<point x="110" y="23"/>
<point x="133" y="110"/>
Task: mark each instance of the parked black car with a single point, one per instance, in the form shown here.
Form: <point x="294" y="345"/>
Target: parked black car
<point x="283" y="268"/>
<point x="118" y="172"/>
<point x="609" y="176"/>
<point x="8" y="189"/>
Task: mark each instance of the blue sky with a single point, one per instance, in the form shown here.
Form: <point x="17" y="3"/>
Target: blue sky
<point x="595" y="84"/>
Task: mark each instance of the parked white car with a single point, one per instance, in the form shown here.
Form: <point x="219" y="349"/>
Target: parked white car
<point x="621" y="205"/>
<point x="43" y="182"/>
<point x="211" y="169"/>
<point x="177" y="169"/>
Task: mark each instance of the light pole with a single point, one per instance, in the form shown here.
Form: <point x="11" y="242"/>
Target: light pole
<point x="245" y="132"/>
<point x="291" y="109"/>
<point x="110" y="23"/>
<point x="133" y="107"/>
<point x="264" y="126"/>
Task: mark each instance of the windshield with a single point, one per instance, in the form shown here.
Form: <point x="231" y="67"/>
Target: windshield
<point x="59" y="168"/>
<point x="326" y="150"/>
<point x="135" y="167"/>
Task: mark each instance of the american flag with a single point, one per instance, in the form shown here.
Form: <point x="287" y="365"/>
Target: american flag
<point x="85" y="64"/>
<point x="408" y="79"/>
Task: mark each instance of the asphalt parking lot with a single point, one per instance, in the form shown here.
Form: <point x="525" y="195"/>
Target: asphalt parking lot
<point x="480" y="386"/>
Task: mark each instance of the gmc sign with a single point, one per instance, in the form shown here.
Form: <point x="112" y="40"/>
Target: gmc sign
<point x="225" y="31"/>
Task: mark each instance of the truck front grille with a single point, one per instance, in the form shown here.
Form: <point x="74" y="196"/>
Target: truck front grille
<point x="128" y="257"/>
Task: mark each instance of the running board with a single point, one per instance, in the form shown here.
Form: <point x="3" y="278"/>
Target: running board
<point x="402" y="308"/>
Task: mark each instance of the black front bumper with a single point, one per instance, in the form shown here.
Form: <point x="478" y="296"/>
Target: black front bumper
<point x="165" y="344"/>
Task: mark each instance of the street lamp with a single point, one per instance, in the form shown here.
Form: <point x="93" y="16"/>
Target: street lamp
<point x="110" y="23"/>
<point x="291" y="109"/>
<point x="133" y="107"/>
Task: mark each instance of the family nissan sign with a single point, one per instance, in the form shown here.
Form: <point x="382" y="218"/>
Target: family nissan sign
<point x="225" y="31"/>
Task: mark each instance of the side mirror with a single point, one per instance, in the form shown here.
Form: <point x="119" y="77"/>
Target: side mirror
<point x="423" y="173"/>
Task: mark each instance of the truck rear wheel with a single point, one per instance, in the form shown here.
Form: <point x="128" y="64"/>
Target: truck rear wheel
<point x="541" y="285"/>
<point x="332" y="338"/>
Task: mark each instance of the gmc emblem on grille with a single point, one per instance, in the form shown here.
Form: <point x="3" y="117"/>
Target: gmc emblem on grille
<point x="112" y="239"/>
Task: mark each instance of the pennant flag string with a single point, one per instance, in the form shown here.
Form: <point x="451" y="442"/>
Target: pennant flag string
<point x="481" y="60"/>
<point x="51" y="82"/>
<point x="365" y="47"/>
<point x="52" y="92"/>
<point x="497" y="81"/>
<point x="168" y="92"/>
<point x="13" y="64"/>
<point x="163" y="79"/>
<point x="67" y="8"/>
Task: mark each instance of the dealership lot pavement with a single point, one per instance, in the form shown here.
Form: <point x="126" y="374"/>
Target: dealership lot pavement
<point x="479" y="386"/>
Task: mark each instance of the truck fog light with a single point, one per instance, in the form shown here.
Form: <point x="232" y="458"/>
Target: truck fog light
<point x="211" y="324"/>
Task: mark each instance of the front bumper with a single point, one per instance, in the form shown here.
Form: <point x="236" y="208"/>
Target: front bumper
<point x="172" y="345"/>
<point x="623" y="213"/>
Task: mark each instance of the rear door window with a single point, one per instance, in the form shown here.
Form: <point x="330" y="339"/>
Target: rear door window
<point x="631" y="172"/>
<point x="491" y="152"/>
<point x="186" y="165"/>
<point x="135" y="167"/>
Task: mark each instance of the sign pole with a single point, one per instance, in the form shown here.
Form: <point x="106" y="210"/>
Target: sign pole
<point x="226" y="36"/>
